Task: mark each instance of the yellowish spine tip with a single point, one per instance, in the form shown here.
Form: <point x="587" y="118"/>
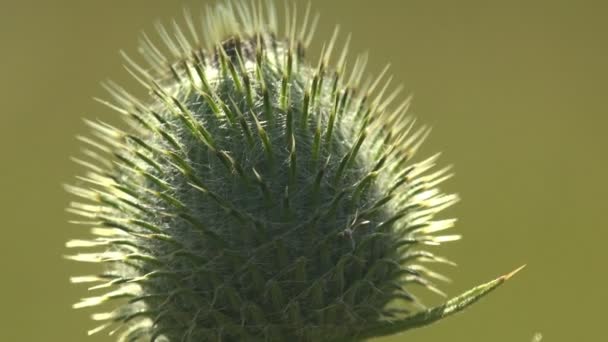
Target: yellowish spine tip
<point x="514" y="272"/>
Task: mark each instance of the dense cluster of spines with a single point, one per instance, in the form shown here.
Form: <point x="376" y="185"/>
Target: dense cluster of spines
<point x="254" y="197"/>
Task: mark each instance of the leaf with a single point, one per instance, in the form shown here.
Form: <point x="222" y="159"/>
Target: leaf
<point x="437" y="313"/>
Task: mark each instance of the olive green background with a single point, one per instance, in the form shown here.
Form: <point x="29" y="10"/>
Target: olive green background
<point x="515" y="91"/>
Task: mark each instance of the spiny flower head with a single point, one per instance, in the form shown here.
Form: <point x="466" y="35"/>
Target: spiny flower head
<point x="255" y="194"/>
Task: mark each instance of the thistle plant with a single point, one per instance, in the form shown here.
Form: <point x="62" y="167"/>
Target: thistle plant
<point x="256" y="195"/>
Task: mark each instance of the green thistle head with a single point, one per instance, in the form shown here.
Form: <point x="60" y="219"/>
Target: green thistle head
<point x="258" y="195"/>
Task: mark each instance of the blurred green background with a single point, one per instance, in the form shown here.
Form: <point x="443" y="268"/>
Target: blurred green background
<point x="515" y="91"/>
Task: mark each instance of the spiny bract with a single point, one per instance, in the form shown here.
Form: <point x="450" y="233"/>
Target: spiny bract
<point x="255" y="196"/>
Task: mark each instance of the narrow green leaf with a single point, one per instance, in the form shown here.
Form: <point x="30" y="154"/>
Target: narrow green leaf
<point x="437" y="313"/>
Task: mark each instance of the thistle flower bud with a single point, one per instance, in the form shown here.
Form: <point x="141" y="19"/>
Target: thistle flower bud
<point x="256" y="194"/>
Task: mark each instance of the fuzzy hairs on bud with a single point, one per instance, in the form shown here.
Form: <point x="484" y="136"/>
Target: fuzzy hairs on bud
<point x="256" y="195"/>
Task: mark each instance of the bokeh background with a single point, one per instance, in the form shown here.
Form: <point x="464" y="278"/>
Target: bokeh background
<point x="516" y="92"/>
